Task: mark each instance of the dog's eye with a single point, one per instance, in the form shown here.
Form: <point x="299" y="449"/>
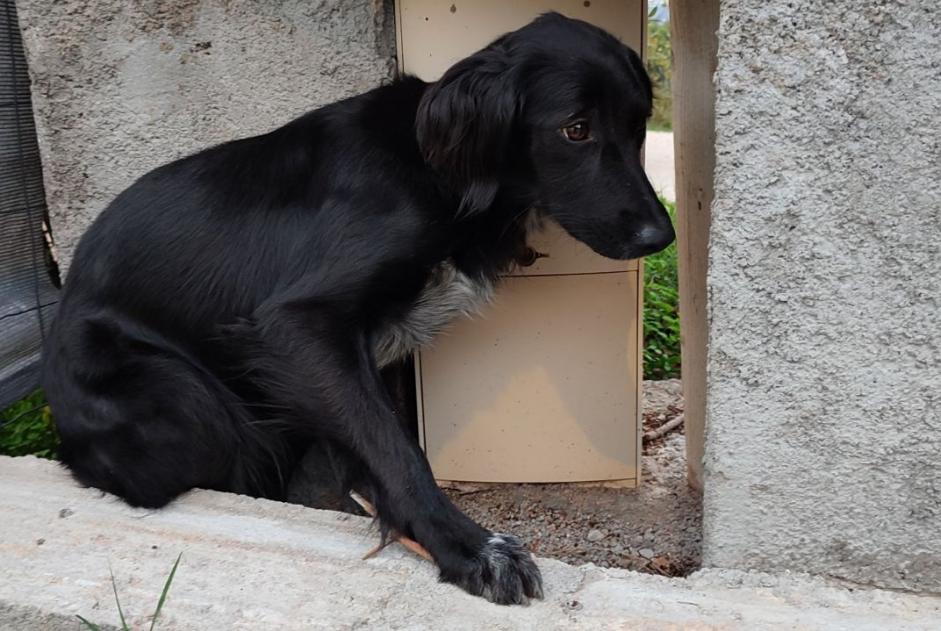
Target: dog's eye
<point x="577" y="132"/>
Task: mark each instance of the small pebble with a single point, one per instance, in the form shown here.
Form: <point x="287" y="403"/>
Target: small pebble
<point x="647" y="553"/>
<point x="595" y="535"/>
<point x="66" y="512"/>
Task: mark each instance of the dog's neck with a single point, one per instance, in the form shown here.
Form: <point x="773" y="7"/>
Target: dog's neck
<point x="488" y="244"/>
<point x="460" y="286"/>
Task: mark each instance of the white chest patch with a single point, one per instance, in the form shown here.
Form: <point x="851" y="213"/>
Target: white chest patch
<point x="448" y="294"/>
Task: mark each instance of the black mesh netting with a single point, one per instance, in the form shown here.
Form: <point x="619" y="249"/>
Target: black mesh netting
<point x="27" y="291"/>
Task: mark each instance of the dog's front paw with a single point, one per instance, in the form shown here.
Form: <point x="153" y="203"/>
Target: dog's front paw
<point x="502" y="571"/>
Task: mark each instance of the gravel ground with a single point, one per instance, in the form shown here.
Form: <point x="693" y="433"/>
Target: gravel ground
<point x="654" y="528"/>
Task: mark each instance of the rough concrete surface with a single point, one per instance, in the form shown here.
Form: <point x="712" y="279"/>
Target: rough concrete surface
<point x="259" y="564"/>
<point x="823" y="451"/>
<point x="120" y="88"/>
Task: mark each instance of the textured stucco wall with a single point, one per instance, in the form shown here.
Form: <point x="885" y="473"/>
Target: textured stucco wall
<point x="823" y="448"/>
<point x="122" y="87"/>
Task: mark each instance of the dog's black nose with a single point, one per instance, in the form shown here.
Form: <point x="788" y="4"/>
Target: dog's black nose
<point x="649" y="240"/>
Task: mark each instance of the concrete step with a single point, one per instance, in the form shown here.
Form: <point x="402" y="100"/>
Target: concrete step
<point x="258" y="564"/>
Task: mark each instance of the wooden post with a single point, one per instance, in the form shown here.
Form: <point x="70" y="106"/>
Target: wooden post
<point x="693" y="26"/>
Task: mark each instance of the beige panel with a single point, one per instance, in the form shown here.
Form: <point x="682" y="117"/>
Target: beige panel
<point x="433" y="34"/>
<point x="542" y="389"/>
<point x="694" y="26"/>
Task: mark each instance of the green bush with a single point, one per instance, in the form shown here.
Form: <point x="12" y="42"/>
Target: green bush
<point x="26" y="427"/>
<point x="660" y="68"/>
<point x="661" y="311"/>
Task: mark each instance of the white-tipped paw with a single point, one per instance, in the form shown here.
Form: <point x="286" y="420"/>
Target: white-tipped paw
<point x="503" y="572"/>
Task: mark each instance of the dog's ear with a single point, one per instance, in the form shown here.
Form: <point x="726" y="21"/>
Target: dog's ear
<point x="464" y="125"/>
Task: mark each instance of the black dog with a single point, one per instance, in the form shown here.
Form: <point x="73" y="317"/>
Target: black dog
<point x="232" y="308"/>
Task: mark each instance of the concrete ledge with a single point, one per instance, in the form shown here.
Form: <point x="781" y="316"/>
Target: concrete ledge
<point x="258" y="564"/>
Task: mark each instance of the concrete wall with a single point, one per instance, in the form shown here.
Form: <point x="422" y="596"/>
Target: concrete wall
<point x="122" y="87"/>
<point x="823" y="444"/>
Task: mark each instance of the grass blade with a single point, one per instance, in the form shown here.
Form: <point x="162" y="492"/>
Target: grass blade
<point x="114" y="586"/>
<point x="163" y="594"/>
<point x="90" y="625"/>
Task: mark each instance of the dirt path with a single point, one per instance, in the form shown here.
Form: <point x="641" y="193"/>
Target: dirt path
<point x="655" y="528"/>
<point x="658" y="162"/>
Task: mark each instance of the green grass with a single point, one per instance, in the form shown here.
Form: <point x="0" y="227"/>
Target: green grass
<point x="661" y="290"/>
<point x="661" y="311"/>
<point x="26" y="428"/>
<point x="153" y="619"/>
<point x="660" y="69"/>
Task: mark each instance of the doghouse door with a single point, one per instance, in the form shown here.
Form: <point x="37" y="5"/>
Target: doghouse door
<point x="544" y="386"/>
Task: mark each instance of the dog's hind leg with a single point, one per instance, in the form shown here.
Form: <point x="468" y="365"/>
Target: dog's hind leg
<point x="325" y="475"/>
<point x="139" y="418"/>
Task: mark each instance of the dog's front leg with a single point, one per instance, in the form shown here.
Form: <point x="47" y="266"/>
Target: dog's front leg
<point x="322" y="371"/>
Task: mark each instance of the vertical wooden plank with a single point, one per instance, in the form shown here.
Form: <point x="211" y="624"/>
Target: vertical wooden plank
<point x="693" y="26"/>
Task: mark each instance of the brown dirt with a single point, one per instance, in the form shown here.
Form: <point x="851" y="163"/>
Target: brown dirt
<point x="654" y="528"/>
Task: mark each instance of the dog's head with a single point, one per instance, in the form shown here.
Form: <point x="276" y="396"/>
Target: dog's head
<point x="553" y="114"/>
